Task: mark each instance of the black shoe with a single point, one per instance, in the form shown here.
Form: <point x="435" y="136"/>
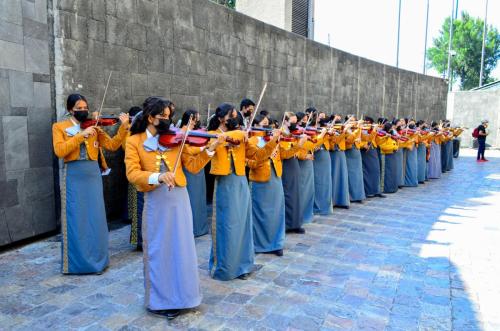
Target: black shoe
<point x="421" y="182"/>
<point x="300" y="230"/>
<point x="371" y="196"/>
<point x="380" y="195"/>
<point x="244" y="276"/>
<point x="138" y="248"/>
<point x="278" y="252"/>
<point x="357" y="201"/>
<point x="172" y="313"/>
<point x="342" y="207"/>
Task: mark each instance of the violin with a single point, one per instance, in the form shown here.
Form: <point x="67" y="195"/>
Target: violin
<point x="196" y="138"/>
<point x="102" y="121"/>
<point x="261" y="132"/>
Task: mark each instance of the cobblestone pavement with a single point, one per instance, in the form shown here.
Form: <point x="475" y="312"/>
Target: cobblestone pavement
<point x="425" y="258"/>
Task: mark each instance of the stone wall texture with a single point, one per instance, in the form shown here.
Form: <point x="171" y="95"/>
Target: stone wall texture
<point x="194" y="52"/>
<point x="26" y="114"/>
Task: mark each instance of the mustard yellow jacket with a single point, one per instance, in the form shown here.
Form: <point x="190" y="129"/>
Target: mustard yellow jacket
<point x="141" y="163"/>
<point x="260" y="171"/>
<point x="67" y="147"/>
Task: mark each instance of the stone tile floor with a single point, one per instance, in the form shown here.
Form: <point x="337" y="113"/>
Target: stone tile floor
<point x="425" y="258"/>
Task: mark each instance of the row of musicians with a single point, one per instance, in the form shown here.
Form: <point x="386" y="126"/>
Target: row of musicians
<point x="289" y="182"/>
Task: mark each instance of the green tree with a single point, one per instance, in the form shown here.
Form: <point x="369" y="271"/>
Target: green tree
<point x="467" y="43"/>
<point x="228" y="3"/>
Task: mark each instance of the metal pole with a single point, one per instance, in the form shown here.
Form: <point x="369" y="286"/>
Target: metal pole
<point x="449" y="45"/>
<point x="485" y="30"/>
<point x="399" y="30"/>
<point x="425" y="43"/>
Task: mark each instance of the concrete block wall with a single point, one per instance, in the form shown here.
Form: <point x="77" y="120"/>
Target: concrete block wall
<point x="26" y="114"/>
<point x="469" y="108"/>
<point x="194" y="52"/>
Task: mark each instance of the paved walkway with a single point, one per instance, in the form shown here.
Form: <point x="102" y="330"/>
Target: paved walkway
<point x="426" y="258"/>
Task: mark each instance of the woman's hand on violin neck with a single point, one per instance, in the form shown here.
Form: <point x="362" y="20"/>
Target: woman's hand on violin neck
<point x="302" y="140"/>
<point x="89" y="132"/>
<point x="276" y="134"/>
<point x="124" y="118"/>
<point x="167" y="178"/>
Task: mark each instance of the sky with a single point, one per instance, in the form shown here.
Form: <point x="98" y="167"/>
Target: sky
<point x="368" y="28"/>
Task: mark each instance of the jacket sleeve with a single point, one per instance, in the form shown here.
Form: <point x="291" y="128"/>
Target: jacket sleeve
<point x="64" y="147"/>
<point x="112" y="144"/>
<point x="258" y="154"/>
<point x="286" y="154"/>
<point x="194" y="162"/>
<point x="135" y="174"/>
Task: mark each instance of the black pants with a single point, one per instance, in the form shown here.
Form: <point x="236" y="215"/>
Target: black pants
<point x="456" y="148"/>
<point x="481" y="148"/>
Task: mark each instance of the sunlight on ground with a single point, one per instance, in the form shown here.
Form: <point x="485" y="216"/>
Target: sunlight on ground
<point x="468" y="235"/>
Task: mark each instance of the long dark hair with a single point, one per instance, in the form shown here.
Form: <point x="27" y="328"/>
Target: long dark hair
<point x="187" y="114"/>
<point x="73" y="99"/>
<point x="220" y="113"/>
<point x="152" y="106"/>
<point x="259" y="118"/>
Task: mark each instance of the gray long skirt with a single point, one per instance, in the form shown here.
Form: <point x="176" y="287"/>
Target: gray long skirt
<point x="390" y="173"/>
<point x="170" y="263"/>
<point x="449" y="150"/>
<point x="197" y="190"/>
<point x="400" y="173"/>
<point x="291" y="189"/>
<point x="340" y="182"/>
<point x="322" y="182"/>
<point x="421" y="163"/>
<point x="84" y="227"/>
<point x="435" y="161"/>
<point x="411" y="167"/>
<point x="307" y="189"/>
<point x="355" y="174"/>
<point x="268" y="207"/>
<point x="232" y="253"/>
<point x="371" y="171"/>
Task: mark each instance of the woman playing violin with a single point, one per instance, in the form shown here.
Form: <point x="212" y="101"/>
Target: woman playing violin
<point x="354" y="141"/>
<point x="196" y="184"/>
<point x="306" y="157"/>
<point x="340" y="183"/>
<point x="323" y="170"/>
<point x="232" y="254"/>
<point x="83" y="216"/>
<point x="422" y="144"/>
<point x="268" y="200"/>
<point x="435" y="138"/>
<point x="388" y="146"/>
<point x="291" y="178"/>
<point x="170" y="263"/>
<point x="371" y="159"/>
<point x="410" y="154"/>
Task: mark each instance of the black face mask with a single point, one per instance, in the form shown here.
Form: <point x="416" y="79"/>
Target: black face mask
<point x="267" y="127"/>
<point x="197" y="126"/>
<point x="232" y="124"/>
<point x="247" y="113"/>
<point x="411" y="126"/>
<point x="292" y="126"/>
<point x="81" y="115"/>
<point x="163" y="126"/>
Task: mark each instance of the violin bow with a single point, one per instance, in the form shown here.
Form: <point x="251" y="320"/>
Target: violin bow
<point x="208" y="114"/>
<point x="102" y="102"/>
<point x="249" y="125"/>
<point x="177" y="160"/>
